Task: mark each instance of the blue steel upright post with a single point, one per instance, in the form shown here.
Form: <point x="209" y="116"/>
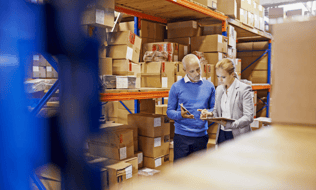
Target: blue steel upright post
<point x="269" y="78"/>
<point x="136" y="31"/>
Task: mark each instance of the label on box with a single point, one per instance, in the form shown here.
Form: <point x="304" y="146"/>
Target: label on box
<point x="49" y="69"/>
<point x="220" y="39"/>
<point x="175" y="58"/>
<point x="214" y="5"/>
<point x="35" y="57"/>
<point x="129" y="53"/>
<point x="157" y="122"/>
<point x="36" y="68"/>
<point x="164" y="82"/>
<point x="185" y="50"/>
<point x="220" y="56"/>
<point x="194" y="24"/>
<point x="99" y="14"/>
<point x="179" y="78"/>
<point x="121" y="82"/>
<point x="140" y="157"/>
<point x="157" y="162"/>
<point x="129" y="172"/>
<point x="159" y="103"/>
<point x="157" y="142"/>
<point x="123" y="153"/>
<point x="260" y="7"/>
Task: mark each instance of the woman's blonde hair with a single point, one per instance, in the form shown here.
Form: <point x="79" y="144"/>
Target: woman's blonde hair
<point x="227" y="65"/>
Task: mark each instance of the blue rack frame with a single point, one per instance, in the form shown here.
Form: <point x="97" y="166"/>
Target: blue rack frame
<point x="267" y="51"/>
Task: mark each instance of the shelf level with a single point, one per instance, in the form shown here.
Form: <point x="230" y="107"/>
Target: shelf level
<point x="261" y="87"/>
<point x="137" y="94"/>
<point x="166" y="10"/>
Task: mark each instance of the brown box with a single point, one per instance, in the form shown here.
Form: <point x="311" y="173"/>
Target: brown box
<point x="210" y="43"/>
<point x="228" y="7"/>
<point x="180" y="73"/>
<point x="243" y="16"/>
<point x="276" y="12"/>
<point x="255" y="8"/>
<point x="123" y="67"/>
<point x="261" y="10"/>
<point x="98" y="16"/>
<point x="126" y="26"/>
<point x="261" y="24"/>
<point x="171" y="154"/>
<point x="232" y="53"/>
<point x="213" y="58"/>
<point x="154" y="147"/>
<point x="105" y="66"/>
<point x="124" y="38"/>
<point x="256" y="21"/>
<point x="260" y="46"/>
<point x="208" y="3"/>
<point x="293" y="74"/>
<point x="244" y="4"/>
<point x="116" y="144"/>
<point x="292" y="13"/>
<point x="156" y="163"/>
<point x="134" y="162"/>
<point x="212" y="29"/>
<point x="172" y="49"/>
<point x="140" y="159"/>
<point x="145" y="41"/>
<point x="119" y="172"/>
<point x="39" y="60"/>
<point x="250" y="19"/>
<point x="258" y="76"/>
<point x="39" y="72"/>
<point x="232" y="36"/>
<point x="124" y="52"/>
<point x="50" y="72"/>
<point x="183" y="29"/>
<point x="184" y="41"/>
<point x="161" y="109"/>
<point x="211" y="73"/>
<point x="146" y="105"/>
<point x="158" y="74"/>
<point x="245" y="49"/>
<point x="150" y="125"/>
<point x="123" y="115"/>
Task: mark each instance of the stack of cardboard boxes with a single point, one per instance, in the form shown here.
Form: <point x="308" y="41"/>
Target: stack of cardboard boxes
<point x="154" y="138"/>
<point x="208" y="3"/>
<point x="42" y="69"/>
<point x="247" y="11"/>
<point x="250" y="52"/>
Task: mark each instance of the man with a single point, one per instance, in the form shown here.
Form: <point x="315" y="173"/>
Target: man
<point x="196" y="95"/>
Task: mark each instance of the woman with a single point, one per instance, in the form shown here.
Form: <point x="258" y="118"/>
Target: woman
<point x="233" y="100"/>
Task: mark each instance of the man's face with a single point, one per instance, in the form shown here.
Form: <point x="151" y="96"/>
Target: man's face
<point x="193" y="70"/>
<point x="224" y="78"/>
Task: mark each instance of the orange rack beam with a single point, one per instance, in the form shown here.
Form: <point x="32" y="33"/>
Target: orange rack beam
<point x="261" y="87"/>
<point x="199" y="9"/>
<point x="106" y="97"/>
<point x="140" y="15"/>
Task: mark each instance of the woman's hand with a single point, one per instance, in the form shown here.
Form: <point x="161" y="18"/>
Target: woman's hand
<point x="205" y="113"/>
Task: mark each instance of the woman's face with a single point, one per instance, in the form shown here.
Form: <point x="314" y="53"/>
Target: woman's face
<point x="224" y="78"/>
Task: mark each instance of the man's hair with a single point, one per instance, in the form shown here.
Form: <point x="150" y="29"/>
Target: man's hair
<point x="189" y="57"/>
<point x="227" y="65"/>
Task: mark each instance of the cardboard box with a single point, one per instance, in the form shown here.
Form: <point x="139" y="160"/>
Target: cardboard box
<point x="261" y="10"/>
<point x="260" y="65"/>
<point x="228" y="7"/>
<point x="258" y="76"/>
<point x="180" y="73"/>
<point x="232" y="36"/>
<point x="171" y="155"/>
<point x="255" y="8"/>
<point x="98" y="16"/>
<point x="245" y="49"/>
<point x="213" y="58"/>
<point x="127" y="26"/>
<point x="212" y="29"/>
<point x="292" y="13"/>
<point x="50" y="72"/>
<point x="125" y="82"/>
<point x="146" y="105"/>
<point x="124" y="38"/>
<point x="261" y="24"/>
<point x="260" y="46"/>
<point x="156" y="163"/>
<point x="124" y="52"/>
<point x="208" y="3"/>
<point x="210" y="43"/>
<point x="145" y="41"/>
<point x="39" y="72"/>
<point x="140" y="159"/>
<point x="158" y="74"/>
<point x="183" y="29"/>
<point x="293" y="69"/>
<point x="116" y="144"/>
<point x="150" y="125"/>
<point x="276" y="12"/>
<point x="211" y="73"/>
<point x="184" y="41"/>
<point x="244" y="4"/>
<point x="105" y="66"/>
<point x="250" y="19"/>
<point x="257" y="21"/>
<point x="119" y="172"/>
<point x="174" y="50"/>
<point x="39" y="60"/>
<point x="232" y="53"/>
<point x="243" y="16"/>
<point x="154" y="147"/>
<point x="161" y="109"/>
<point x="123" y="67"/>
<point x="134" y="162"/>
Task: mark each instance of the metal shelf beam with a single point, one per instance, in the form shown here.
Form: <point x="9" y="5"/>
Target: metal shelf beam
<point x="105" y="97"/>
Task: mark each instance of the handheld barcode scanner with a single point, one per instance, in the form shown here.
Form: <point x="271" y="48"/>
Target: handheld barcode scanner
<point x="185" y="109"/>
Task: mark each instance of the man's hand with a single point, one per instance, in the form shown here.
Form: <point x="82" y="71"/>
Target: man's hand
<point x="185" y="115"/>
<point x="205" y="113"/>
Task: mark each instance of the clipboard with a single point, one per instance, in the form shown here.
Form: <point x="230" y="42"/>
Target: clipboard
<point x="220" y="119"/>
